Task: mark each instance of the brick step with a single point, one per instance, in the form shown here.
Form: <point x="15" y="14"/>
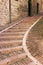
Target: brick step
<point x="10" y="39"/>
<point x="21" y="26"/>
<point x="11" y="43"/>
<point x="20" y="30"/>
<point x="20" y="37"/>
<point x="8" y="54"/>
<point x="26" y="22"/>
<point x="16" y="30"/>
<point x="12" y="59"/>
<point x="11" y="33"/>
<point x="11" y="36"/>
<point x="11" y="49"/>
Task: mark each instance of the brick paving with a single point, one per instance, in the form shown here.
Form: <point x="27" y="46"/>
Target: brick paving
<point x="11" y="51"/>
<point x="35" y="40"/>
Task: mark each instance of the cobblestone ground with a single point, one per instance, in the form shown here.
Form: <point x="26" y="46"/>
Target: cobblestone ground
<point x="35" y="41"/>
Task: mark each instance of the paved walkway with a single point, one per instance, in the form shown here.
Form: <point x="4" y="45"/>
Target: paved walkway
<point x="35" y="41"/>
<point x="11" y="38"/>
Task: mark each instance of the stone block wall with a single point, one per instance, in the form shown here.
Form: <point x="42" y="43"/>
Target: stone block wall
<point x="15" y="5"/>
<point x="18" y="8"/>
<point x="4" y="12"/>
<point x="23" y="7"/>
<point x="34" y="7"/>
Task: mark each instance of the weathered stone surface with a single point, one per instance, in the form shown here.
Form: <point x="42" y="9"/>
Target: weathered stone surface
<point x="17" y="9"/>
<point x="4" y="12"/>
<point x="14" y="9"/>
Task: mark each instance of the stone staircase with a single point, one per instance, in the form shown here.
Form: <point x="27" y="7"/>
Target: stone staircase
<point x="11" y="49"/>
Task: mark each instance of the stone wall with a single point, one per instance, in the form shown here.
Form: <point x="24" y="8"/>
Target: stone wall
<point x="34" y="7"/>
<point x="4" y="11"/>
<point x="40" y="5"/>
<point x="18" y="8"/>
<point x="15" y="5"/>
<point x="23" y="7"/>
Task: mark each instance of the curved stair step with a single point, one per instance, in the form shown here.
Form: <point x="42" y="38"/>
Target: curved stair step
<point x="20" y="26"/>
<point x="11" y="43"/>
<point x="11" y="37"/>
<point x="16" y="30"/>
<point x="8" y="50"/>
<point x="11" y="33"/>
<point x="12" y="59"/>
<point x="9" y="54"/>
